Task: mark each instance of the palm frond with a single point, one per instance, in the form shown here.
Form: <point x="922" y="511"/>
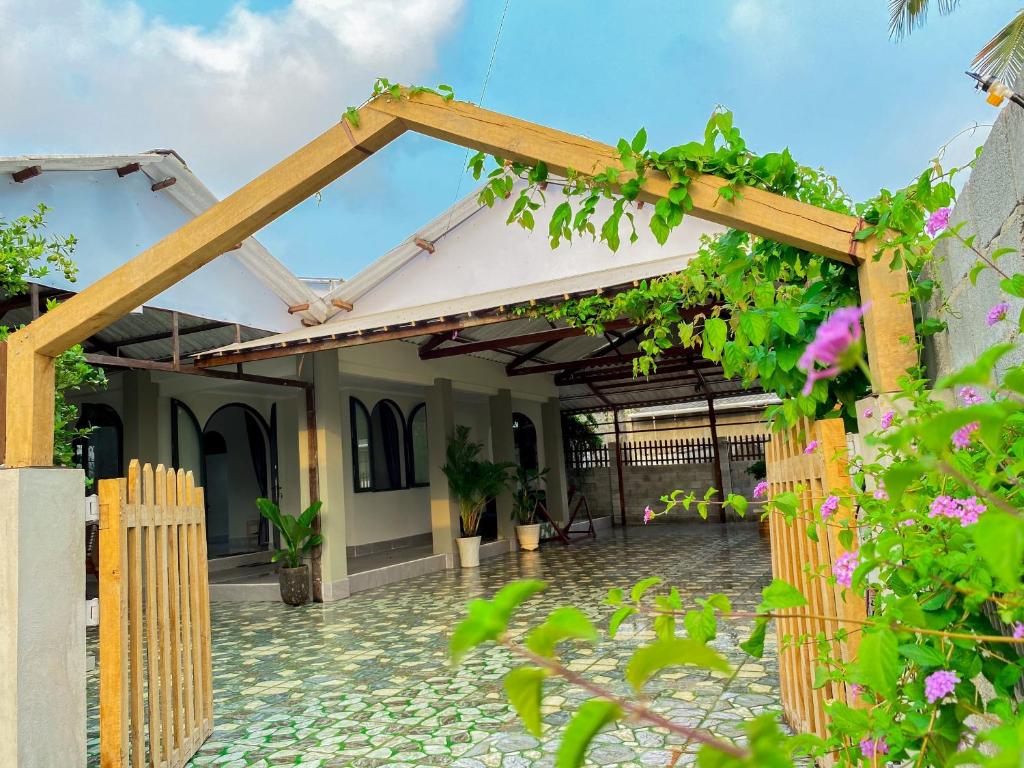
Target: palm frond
<point x="1003" y="55"/>
<point x="907" y="15"/>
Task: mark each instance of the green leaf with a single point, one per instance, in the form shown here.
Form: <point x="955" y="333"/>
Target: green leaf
<point x="591" y="717"/>
<point x="754" y="645"/>
<point x="755" y="325"/>
<point x="641" y="587"/>
<point x="780" y="594"/>
<point x="615" y="596"/>
<point x="563" y="624"/>
<point x="715" y="333"/>
<point x="878" y="665"/>
<point x="525" y="689"/>
<point x="639" y="141"/>
<point x="1000" y="540"/>
<point x="618" y="617"/>
<point x="651" y="659"/>
<point x="787" y="320"/>
<point x="513" y="594"/>
<point x="1013" y="285"/>
<point x="922" y="655"/>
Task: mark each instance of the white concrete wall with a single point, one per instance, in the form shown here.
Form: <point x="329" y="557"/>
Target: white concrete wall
<point x="115" y="219"/>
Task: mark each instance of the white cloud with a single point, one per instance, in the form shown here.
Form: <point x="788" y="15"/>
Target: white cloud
<point x="82" y="76"/>
<point x="761" y="19"/>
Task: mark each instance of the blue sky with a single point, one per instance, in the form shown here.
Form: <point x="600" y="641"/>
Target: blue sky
<point x="822" y="78"/>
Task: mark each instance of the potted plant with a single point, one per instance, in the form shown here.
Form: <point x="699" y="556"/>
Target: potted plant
<point x="298" y="538"/>
<point x="473" y="482"/>
<point x="525" y="497"/>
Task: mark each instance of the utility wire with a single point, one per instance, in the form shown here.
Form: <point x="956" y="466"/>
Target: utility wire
<point x="479" y="103"/>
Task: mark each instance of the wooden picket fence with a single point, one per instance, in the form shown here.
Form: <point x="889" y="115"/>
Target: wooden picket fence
<point x="806" y="564"/>
<point x="154" y="651"/>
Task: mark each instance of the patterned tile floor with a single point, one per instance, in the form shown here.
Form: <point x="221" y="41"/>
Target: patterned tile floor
<point x="365" y="681"/>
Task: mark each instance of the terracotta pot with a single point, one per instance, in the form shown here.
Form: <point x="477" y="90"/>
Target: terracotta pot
<point x="529" y="536"/>
<point x="295" y="585"/>
<point x="469" y="551"/>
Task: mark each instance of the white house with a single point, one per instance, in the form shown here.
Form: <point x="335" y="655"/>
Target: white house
<point x="264" y="385"/>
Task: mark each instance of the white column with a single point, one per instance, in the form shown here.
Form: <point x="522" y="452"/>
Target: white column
<point x="42" y="615"/>
<point x="329" y="457"/>
<point x="503" y="448"/>
<point x="444" y="514"/>
<point x="554" y="455"/>
<point x="141" y="419"/>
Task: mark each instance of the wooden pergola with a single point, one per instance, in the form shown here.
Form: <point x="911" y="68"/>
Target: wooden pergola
<point x="28" y="356"/>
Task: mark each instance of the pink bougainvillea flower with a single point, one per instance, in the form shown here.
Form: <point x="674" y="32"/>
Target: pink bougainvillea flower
<point x="970" y="396"/>
<point x="962" y="437"/>
<point x="1018" y="630"/>
<point x="940" y="684"/>
<point x="836" y="346"/>
<point x="880" y="493"/>
<point x="829" y="506"/>
<point x="648" y="514"/>
<point x="761" y="489"/>
<point x="811" y="447"/>
<point x="887" y="419"/>
<point x="869" y="413"/>
<point x="907" y="523"/>
<point x="937" y="222"/>
<point x="856" y="690"/>
<point x="997" y="313"/>
<point x="872" y="747"/>
<point x="844" y="566"/>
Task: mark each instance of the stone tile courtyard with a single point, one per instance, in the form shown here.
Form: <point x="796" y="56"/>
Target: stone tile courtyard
<point x="366" y="681"/>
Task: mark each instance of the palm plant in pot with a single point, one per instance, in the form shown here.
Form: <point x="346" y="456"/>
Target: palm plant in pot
<point x="298" y="538"/>
<point x="526" y="495"/>
<point x="472" y="482"/>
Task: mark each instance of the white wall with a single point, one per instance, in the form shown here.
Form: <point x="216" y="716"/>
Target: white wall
<point x="373" y="516"/>
<point x="115" y="219"/>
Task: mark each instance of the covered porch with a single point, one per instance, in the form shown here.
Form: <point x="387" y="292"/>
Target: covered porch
<point x="367" y="681"/>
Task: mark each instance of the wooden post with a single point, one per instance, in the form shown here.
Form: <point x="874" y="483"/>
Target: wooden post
<point x="618" y="469"/>
<point x="888" y="321"/>
<point x="113" y="647"/>
<point x="716" y="454"/>
<point x="316" y="555"/>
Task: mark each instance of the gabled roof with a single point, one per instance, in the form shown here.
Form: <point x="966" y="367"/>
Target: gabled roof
<point x="464" y="284"/>
<point x="243" y="277"/>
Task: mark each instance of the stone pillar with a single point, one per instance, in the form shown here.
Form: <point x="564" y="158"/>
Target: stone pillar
<point x="329" y="457"/>
<point x="444" y="513"/>
<point x="142" y="419"/>
<point x="42" y="612"/>
<point x="503" y="447"/>
<point x="554" y="454"/>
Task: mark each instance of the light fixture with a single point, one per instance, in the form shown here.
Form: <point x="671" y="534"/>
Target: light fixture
<point x="997" y="90"/>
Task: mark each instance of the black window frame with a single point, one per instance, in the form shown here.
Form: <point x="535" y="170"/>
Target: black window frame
<point x="410" y="456"/>
<point x="355" y="403"/>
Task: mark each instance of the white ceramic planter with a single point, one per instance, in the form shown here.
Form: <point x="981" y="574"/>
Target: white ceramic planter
<point x="469" y="551"/>
<point x="529" y="536"/>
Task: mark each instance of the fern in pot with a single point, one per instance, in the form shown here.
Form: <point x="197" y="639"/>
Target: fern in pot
<point x="298" y="538"/>
<point x="473" y="482"/>
<point x="526" y="495"/>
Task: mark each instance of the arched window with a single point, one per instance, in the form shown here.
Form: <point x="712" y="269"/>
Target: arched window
<point x="386" y="446"/>
<point x="525" y="436"/>
<point x="99" y="452"/>
<point x="362" y="479"/>
<point x="416" y="440"/>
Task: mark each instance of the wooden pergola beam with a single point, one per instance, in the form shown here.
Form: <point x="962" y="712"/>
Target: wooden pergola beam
<point x="552" y="334"/>
<point x="28" y="411"/>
